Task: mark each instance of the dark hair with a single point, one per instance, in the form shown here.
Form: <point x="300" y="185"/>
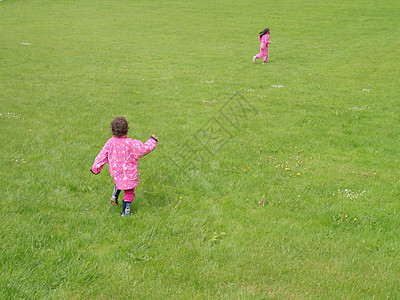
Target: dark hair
<point x="265" y="31"/>
<point x="119" y="127"/>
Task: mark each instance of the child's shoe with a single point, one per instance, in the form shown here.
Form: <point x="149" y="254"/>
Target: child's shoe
<point x="114" y="201"/>
<point x="254" y="58"/>
<point x="114" y="196"/>
<point x="127" y="211"/>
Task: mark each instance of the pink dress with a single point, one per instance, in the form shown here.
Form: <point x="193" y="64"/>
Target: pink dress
<point x="122" y="155"/>
<point x="264" y="47"/>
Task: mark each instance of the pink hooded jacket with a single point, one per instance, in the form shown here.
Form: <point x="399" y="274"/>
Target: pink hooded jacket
<point x="264" y="41"/>
<point x="122" y="155"/>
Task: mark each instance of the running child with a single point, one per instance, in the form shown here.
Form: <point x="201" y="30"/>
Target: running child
<point x="264" y="39"/>
<point x="122" y="154"/>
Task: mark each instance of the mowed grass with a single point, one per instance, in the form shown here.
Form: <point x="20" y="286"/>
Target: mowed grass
<point x="273" y="181"/>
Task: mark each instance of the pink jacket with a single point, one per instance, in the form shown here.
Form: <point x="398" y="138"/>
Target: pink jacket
<point x="264" y="41"/>
<point x="122" y="155"/>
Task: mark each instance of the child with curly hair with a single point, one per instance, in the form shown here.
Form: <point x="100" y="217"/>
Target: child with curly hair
<point x="122" y="155"/>
<point x="264" y="39"/>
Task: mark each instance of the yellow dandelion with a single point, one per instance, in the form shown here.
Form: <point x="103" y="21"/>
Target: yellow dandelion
<point x="180" y="198"/>
<point x="260" y="148"/>
<point x="355" y="219"/>
<point x="248" y="168"/>
<point x="298" y="174"/>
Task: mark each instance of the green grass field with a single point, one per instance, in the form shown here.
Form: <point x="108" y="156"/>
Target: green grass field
<point x="275" y="181"/>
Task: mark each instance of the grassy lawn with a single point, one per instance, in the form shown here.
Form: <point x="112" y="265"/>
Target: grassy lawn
<point x="275" y="181"/>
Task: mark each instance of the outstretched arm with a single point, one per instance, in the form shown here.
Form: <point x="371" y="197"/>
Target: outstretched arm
<point x="146" y="148"/>
<point x="100" y="160"/>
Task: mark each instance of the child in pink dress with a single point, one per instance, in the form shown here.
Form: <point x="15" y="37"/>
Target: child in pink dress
<point x="122" y="154"/>
<point x="264" y="39"/>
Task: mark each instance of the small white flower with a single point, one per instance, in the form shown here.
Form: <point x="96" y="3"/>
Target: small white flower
<point x="359" y="108"/>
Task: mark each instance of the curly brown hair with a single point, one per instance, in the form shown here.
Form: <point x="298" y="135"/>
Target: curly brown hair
<point x="119" y="127"/>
